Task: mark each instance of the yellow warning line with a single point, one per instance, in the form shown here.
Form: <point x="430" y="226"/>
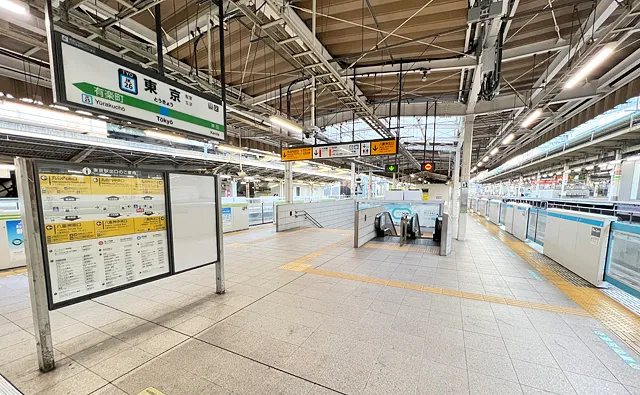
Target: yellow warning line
<point x="616" y="317"/>
<point x="13" y="272"/>
<point x="301" y="265"/>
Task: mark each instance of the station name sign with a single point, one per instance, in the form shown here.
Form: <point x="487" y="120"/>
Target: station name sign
<point x="344" y="150"/>
<point x="88" y="78"/>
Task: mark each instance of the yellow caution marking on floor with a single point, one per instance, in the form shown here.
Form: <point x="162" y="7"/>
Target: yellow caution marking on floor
<point x="151" y="391"/>
<point x="613" y="315"/>
<point x="301" y="265"/>
<point x="13" y="272"/>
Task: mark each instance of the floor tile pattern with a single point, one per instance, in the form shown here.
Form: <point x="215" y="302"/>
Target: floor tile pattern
<point x="298" y="332"/>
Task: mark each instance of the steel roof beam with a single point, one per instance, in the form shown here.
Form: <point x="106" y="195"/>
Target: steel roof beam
<point x="591" y="25"/>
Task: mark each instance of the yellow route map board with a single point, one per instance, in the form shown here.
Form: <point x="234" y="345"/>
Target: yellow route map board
<point x="103" y="228"/>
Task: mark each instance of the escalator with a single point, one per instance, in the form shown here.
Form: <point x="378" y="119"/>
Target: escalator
<point x="410" y="231"/>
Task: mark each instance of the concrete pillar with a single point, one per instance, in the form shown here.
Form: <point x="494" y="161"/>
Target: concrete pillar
<point x="465" y="175"/>
<point x="538" y="177"/>
<point x="456" y="184"/>
<point x="616" y="174"/>
<point x="565" y="178"/>
<point x="288" y="182"/>
<point x="370" y="191"/>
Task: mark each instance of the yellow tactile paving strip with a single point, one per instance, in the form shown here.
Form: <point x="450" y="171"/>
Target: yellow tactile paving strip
<point x="13" y="272"/>
<point x="301" y="265"/>
<point x="622" y="321"/>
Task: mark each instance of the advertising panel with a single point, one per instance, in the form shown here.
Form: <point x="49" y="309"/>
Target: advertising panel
<point x="92" y="79"/>
<point x="103" y="228"/>
<point x="15" y="239"/>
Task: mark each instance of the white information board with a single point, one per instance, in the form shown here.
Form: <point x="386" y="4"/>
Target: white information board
<point x="103" y="228"/>
<point x="193" y="220"/>
<point x="97" y="81"/>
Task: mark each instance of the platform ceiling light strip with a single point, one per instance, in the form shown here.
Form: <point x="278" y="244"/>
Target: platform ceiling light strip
<point x="494" y="151"/>
<point x="103" y="142"/>
<point x="591" y="65"/>
<point x="285" y="123"/>
<point x="14" y="6"/>
<point x="508" y="139"/>
<point x="164" y="136"/>
<point x="530" y="119"/>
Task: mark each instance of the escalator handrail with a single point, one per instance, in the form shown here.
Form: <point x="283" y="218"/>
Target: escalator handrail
<point x="391" y="228"/>
<point x="414" y="227"/>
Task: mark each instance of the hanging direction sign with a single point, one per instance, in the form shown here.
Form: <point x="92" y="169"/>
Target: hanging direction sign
<point x="94" y="80"/>
<point x="103" y="228"/>
<point x="384" y="147"/>
<point x="344" y="150"/>
<point x="291" y="154"/>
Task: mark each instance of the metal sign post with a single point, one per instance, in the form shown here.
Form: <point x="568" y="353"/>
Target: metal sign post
<point x="219" y="230"/>
<point x="25" y="176"/>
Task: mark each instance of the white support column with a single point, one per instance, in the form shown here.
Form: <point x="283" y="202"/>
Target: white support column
<point x="288" y="182"/>
<point x="234" y="188"/>
<point x="353" y="179"/>
<point x="539" y="176"/>
<point x="371" y="192"/>
<point x="456" y="184"/>
<point x="616" y="174"/>
<point x="520" y="187"/>
<point x="565" y="178"/>
<point x="25" y="176"/>
<point x="465" y="175"/>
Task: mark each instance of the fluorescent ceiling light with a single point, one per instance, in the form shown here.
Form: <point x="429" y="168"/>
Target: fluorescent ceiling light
<point x="480" y="164"/>
<point x="591" y="65"/>
<point x="164" y="136"/>
<point x="14" y="6"/>
<point x="485" y="159"/>
<point x="473" y="169"/>
<point x="282" y="122"/>
<point x="228" y="148"/>
<point x="25" y="99"/>
<point x="531" y="118"/>
<point x="412" y="175"/>
<point x="589" y="168"/>
<point x="81" y="112"/>
<point x="9" y="95"/>
<point x="7" y="167"/>
<point x="508" y="139"/>
<point x="494" y="151"/>
<point x="103" y="117"/>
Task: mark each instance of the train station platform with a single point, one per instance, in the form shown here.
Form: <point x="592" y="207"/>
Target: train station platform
<point x="306" y="313"/>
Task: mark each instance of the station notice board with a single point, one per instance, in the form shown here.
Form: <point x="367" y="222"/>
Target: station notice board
<point x="103" y="229"/>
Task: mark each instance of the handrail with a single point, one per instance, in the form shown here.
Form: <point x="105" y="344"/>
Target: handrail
<point x="308" y="217"/>
<point x="415" y="231"/>
<point x="404" y="226"/>
<point x="385" y="226"/>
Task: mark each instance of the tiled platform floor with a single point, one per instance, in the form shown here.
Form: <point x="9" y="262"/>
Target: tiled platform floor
<point x="279" y="331"/>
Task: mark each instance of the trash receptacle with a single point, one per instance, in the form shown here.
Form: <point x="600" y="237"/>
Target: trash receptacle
<point x="437" y="233"/>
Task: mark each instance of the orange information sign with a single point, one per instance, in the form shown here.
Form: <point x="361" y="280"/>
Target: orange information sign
<point x="290" y="154"/>
<point x="384" y="147"/>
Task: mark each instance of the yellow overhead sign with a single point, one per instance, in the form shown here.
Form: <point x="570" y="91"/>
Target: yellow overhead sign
<point x="384" y="147"/>
<point x="289" y="154"/>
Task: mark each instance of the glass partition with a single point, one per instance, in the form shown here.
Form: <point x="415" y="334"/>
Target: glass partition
<point x="623" y="260"/>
